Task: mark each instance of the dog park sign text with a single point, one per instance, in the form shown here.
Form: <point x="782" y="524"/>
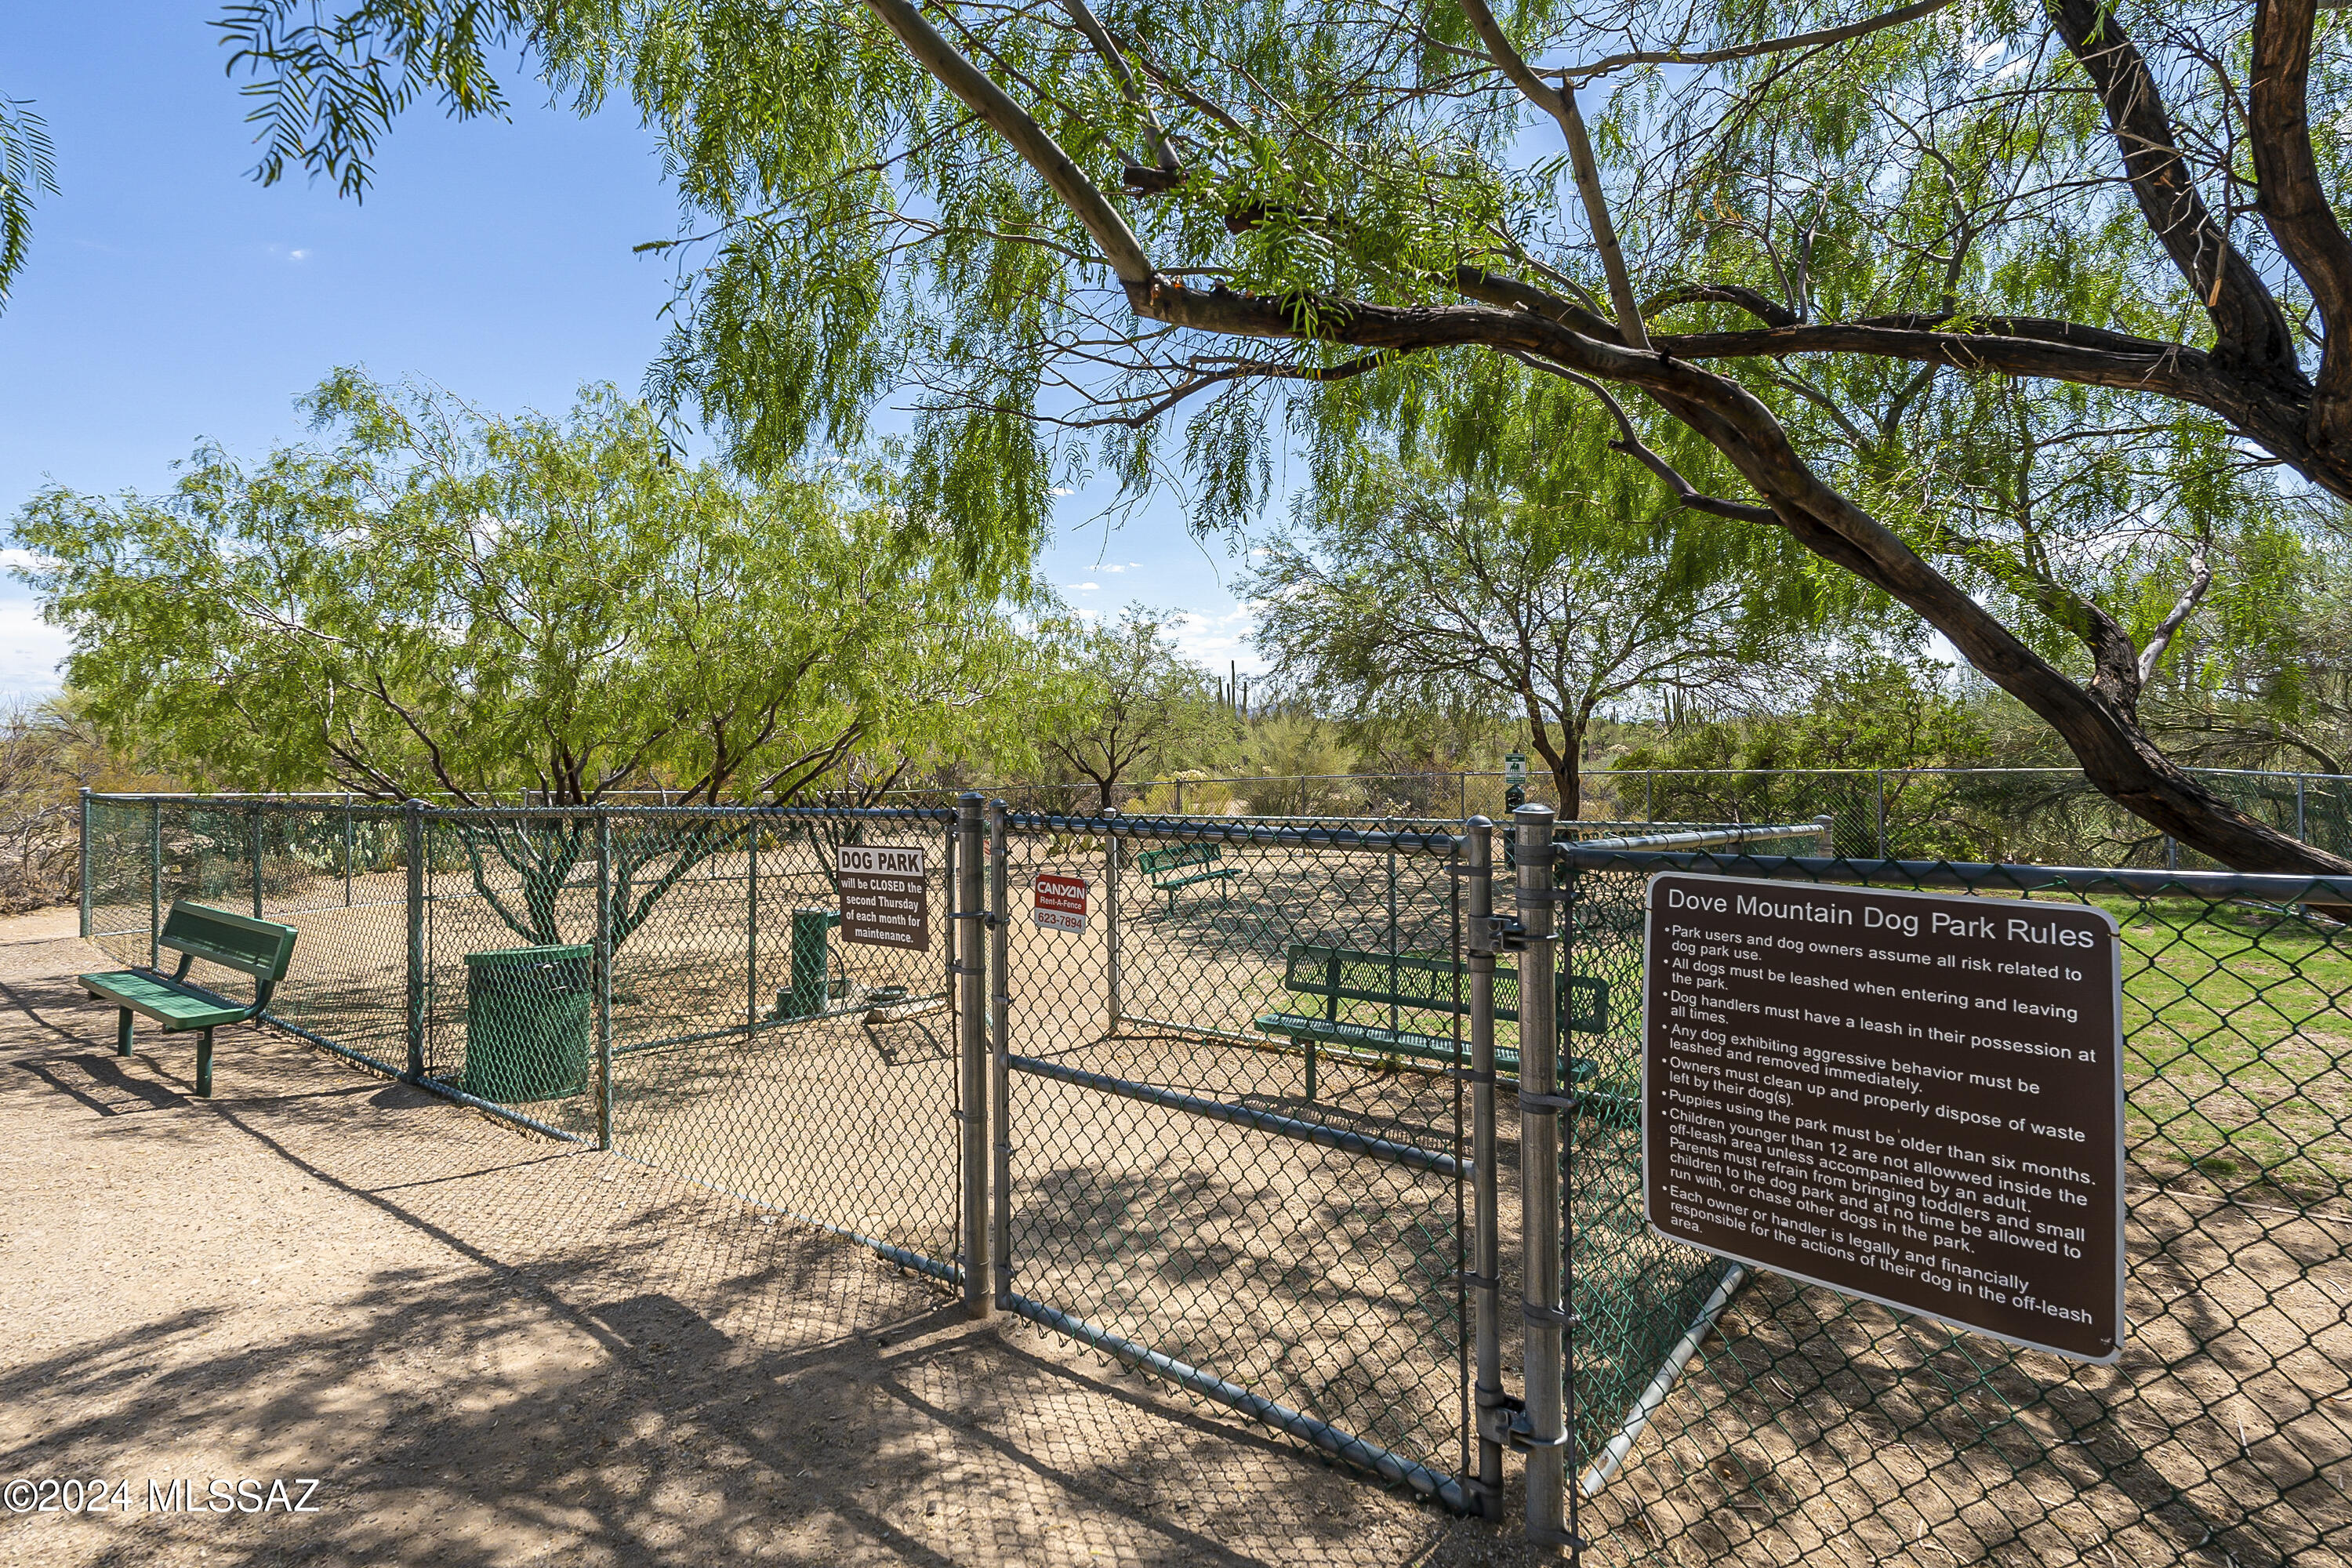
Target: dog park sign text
<point x="1915" y="1098"/>
<point x="884" y="897"/>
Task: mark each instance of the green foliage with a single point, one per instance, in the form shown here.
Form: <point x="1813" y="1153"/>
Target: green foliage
<point x="1873" y="711"/>
<point x="325" y="89"/>
<point x="446" y="601"/>
<point x="1400" y="590"/>
<point x="1304" y="760"/>
<point x="1117" y="702"/>
<point x="27" y="165"/>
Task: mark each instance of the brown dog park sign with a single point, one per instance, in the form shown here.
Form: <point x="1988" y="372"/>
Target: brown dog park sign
<point x="1912" y="1098"/>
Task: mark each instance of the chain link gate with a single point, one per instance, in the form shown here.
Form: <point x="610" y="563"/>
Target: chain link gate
<point x="1233" y="1144"/>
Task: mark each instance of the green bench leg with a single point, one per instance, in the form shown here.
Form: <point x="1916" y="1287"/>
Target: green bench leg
<point x="123" y="1031"/>
<point x="205" y="1065"/>
<point x="1310" y="1072"/>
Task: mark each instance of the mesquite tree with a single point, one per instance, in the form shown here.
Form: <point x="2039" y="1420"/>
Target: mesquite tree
<point x="1797" y="235"/>
<point x="497" y="611"/>
<point x="1404" y="589"/>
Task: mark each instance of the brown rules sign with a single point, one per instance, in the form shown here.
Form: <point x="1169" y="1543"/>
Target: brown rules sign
<point x="1916" y="1098"/>
<point x="884" y="900"/>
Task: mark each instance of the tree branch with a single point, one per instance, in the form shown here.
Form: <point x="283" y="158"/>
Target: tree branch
<point x="1812" y="40"/>
<point x="2247" y="320"/>
<point x="1028" y="139"/>
<point x="2200" y="578"/>
<point x="1559" y="102"/>
<point x="2294" y="203"/>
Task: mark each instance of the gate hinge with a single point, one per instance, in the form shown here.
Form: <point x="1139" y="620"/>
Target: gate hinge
<point x="1523" y="1437"/>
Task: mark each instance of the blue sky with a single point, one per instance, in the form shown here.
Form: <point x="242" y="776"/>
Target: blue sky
<point x="170" y="299"/>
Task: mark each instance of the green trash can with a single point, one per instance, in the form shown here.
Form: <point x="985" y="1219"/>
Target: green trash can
<point x="530" y="1022"/>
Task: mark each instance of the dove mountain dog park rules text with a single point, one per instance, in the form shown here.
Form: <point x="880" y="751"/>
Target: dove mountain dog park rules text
<point x="1916" y="1098"/>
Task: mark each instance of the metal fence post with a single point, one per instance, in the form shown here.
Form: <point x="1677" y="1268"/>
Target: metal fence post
<point x="85" y="860"/>
<point x="2300" y="831"/>
<point x="1879" y="815"/>
<point x="949" y="883"/>
<point x="999" y="1096"/>
<point x="347" y="851"/>
<point x="1493" y="1407"/>
<point x="414" y="823"/>
<point x="1111" y="922"/>
<point x="604" y="977"/>
<point x="256" y="862"/>
<point x="1547" y="1434"/>
<point x="1180" y="797"/>
<point x="751" y="925"/>
<point x="1829" y="836"/>
<point x="972" y="942"/>
<point x="154" y="882"/>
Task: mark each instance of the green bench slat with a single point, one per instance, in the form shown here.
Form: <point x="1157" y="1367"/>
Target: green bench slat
<point x="260" y="948"/>
<point x="1162" y="868"/>
<point x="1399" y="1042"/>
<point x="1151" y="862"/>
<point x="175" y="1005"/>
<point x="1426" y="983"/>
<point x="1187" y="881"/>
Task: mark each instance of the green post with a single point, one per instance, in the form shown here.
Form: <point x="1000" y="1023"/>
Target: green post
<point x="256" y="861"/>
<point x="85" y="858"/>
<point x="414" y="823"/>
<point x="154" y="882"/>
<point x="604" y="977"/>
<point x="347" y="851"/>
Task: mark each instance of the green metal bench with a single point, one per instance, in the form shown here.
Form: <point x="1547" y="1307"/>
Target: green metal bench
<point x="1170" y="871"/>
<point x="259" y="948"/>
<point x="1416" y="983"/>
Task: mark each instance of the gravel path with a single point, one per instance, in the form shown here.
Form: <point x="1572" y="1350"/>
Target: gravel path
<point x="489" y="1349"/>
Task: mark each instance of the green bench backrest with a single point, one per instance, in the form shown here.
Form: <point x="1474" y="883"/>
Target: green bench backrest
<point x="1344" y="975"/>
<point x="1426" y="983"/>
<point x="260" y="948"/>
<point x="1153" y="861"/>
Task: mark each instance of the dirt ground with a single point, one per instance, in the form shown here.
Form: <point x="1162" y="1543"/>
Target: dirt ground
<point x="487" y="1348"/>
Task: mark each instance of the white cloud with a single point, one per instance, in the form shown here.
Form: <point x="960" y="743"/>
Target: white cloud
<point x="19" y="560"/>
<point x="1217" y="640"/>
<point x="1084" y="587"/>
<point x="1060" y="490"/>
<point x="30" y="651"/>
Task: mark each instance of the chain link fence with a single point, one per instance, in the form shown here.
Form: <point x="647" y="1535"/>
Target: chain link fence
<point x="1218" y="1097"/>
<point x="2018" y="815"/>
<point x="1731" y="1416"/>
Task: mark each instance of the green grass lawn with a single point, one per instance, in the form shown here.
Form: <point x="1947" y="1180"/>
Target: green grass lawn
<point x="2236" y="1024"/>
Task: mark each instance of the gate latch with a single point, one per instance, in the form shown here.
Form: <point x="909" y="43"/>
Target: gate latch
<point x="1499" y="1414"/>
<point x="1498" y="933"/>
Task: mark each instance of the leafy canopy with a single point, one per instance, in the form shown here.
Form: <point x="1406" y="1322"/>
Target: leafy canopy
<point x="444" y="601"/>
